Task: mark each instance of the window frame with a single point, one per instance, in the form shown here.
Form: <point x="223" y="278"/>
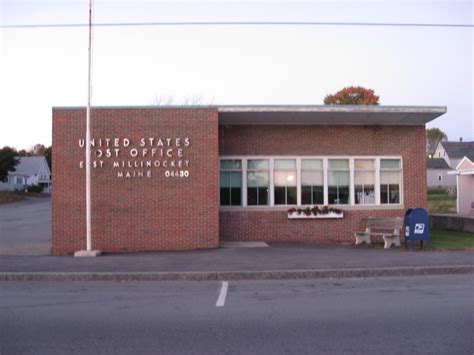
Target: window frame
<point x="350" y="170"/>
<point x="270" y="180"/>
<point x="325" y="159"/>
<point x="301" y="171"/>
<point x="363" y="186"/>
<point x="286" y="185"/>
<point x="400" y="181"/>
<point x="230" y="191"/>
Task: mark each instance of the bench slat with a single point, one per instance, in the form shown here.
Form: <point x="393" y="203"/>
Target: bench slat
<point x="384" y="223"/>
<point x="388" y="228"/>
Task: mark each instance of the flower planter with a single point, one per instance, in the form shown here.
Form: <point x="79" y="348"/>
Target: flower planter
<point x="315" y="212"/>
<point x="296" y="215"/>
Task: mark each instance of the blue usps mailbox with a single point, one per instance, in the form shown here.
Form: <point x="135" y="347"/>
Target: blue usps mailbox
<point x="416" y="226"/>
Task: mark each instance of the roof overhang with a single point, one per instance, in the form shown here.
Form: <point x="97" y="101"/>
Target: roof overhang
<point x="461" y="172"/>
<point x="329" y="115"/>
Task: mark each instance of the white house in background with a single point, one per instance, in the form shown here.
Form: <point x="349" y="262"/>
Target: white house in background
<point x="453" y="152"/>
<point x="29" y="171"/>
<point x="465" y="185"/>
<point x="437" y="173"/>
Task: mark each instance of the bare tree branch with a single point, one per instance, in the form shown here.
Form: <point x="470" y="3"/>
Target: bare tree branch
<point x="193" y="100"/>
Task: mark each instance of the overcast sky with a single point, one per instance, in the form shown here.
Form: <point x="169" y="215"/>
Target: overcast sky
<point x="45" y="67"/>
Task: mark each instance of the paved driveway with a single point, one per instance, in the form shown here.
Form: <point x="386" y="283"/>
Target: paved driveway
<point x="25" y="227"/>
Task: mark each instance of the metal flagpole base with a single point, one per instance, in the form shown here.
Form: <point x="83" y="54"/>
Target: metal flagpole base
<point x="87" y="254"/>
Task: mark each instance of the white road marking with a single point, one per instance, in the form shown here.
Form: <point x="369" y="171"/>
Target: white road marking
<point x="222" y="294"/>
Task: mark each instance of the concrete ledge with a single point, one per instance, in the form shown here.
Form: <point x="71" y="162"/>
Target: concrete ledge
<point x="236" y="275"/>
<point x="87" y="254"/>
<point x="452" y="222"/>
<point x="240" y="244"/>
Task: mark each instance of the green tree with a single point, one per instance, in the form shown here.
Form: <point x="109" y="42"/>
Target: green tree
<point x="8" y="161"/>
<point x="433" y="137"/>
<point x="353" y="95"/>
<point x="24" y="153"/>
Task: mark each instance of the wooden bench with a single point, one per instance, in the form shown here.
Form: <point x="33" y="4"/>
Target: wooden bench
<point x="388" y="228"/>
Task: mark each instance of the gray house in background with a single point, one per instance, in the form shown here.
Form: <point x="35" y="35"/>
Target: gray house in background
<point x="29" y="171"/>
<point x="446" y="158"/>
<point x="453" y="152"/>
<point x="438" y="173"/>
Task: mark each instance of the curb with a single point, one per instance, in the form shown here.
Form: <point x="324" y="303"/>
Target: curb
<point x="237" y="275"/>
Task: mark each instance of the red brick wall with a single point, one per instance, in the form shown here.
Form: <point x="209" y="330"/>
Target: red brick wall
<point x="141" y="214"/>
<point x="405" y="141"/>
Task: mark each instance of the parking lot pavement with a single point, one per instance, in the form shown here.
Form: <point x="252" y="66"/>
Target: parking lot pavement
<point x="25" y="227"/>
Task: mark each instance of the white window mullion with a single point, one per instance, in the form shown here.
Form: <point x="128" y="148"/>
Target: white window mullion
<point x="271" y="192"/>
<point x="326" y="181"/>
<point x="244" y="182"/>
<point x="377" y="181"/>
<point x="401" y="182"/>
<point x="351" y="182"/>
<point x="298" y="181"/>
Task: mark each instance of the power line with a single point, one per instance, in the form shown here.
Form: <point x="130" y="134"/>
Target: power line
<point x="237" y="23"/>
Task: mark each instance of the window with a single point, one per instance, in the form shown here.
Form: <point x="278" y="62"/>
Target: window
<point x="440" y="178"/>
<point x="312" y="182"/>
<point x="230" y="178"/>
<point x="19" y="180"/>
<point x="258" y="182"/>
<point x="390" y="174"/>
<point x="364" y="181"/>
<point x="306" y="181"/>
<point x="338" y="181"/>
<point x="285" y="181"/>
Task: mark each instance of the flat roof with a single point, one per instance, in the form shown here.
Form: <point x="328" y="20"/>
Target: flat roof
<point x="309" y="114"/>
<point x="328" y="114"/>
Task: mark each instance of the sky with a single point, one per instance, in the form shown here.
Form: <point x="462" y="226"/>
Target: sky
<point x="41" y="68"/>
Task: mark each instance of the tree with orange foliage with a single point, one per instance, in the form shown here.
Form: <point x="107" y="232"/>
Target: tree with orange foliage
<point x="353" y="95"/>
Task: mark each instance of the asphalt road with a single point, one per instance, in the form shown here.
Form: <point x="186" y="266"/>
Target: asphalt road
<point x="367" y="316"/>
<point x="25" y="227"/>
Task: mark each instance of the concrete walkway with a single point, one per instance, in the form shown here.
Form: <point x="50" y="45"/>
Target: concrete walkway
<point x="276" y="261"/>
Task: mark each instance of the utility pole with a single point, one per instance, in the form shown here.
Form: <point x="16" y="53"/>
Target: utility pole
<point x="88" y="251"/>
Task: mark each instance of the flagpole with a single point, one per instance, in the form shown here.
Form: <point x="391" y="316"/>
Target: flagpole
<point x="88" y="252"/>
<point x="88" y="139"/>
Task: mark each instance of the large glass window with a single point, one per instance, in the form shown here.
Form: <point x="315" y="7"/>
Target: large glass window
<point x="258" y="182"/>
<point x="338" y="181"/>
<point x="364" y="181"/>
<point x="230" y="182"/>
<point x="390" y="176"/>
<point x="342" y="181"/>
<point x="285" y="181"/>
<point x="312" y="182"/>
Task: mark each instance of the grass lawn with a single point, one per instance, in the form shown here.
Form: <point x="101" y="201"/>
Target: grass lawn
<point x="440" y="202"/>
<point x="9" y="197"/>
<point x="446" y="239"/>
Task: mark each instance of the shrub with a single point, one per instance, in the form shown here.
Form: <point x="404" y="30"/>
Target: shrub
<point x="35" y="188"/>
